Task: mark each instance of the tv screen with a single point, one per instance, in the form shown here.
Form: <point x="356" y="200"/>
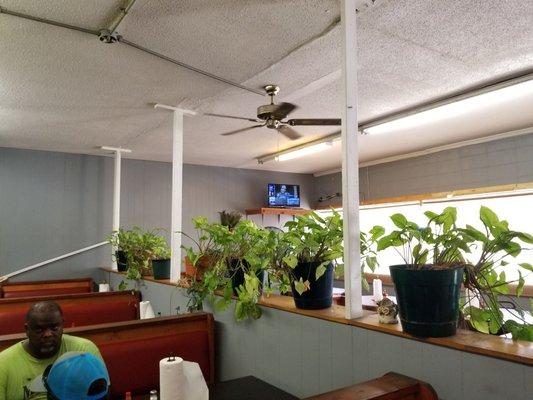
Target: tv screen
<point x="283" y="195"/>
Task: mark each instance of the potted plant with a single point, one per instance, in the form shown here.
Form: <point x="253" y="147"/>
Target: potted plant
<point x="439" y="257"/>
<point x="206" y="249"/>
<point x="160" y="257"/>
<point x="309" y="250"/>
<point x="237" y="259"/>
<point x="486" y="280"/>
<point x="120" y="240"/>
<point x="245" y="253"/>
<point x="230" y="219"/>
<point x="428" y="283"/>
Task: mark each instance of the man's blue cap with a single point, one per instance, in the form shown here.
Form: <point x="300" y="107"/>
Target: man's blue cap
<point x="77" y="376"/>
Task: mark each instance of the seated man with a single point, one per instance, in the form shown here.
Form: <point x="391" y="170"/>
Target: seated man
<point x="22" y="362"/>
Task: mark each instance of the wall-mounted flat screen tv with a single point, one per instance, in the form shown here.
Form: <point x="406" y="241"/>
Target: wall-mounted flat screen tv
<point x="283" y="195"/>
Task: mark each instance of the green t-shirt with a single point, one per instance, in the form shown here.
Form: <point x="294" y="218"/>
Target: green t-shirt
<point x="18" y="368"/>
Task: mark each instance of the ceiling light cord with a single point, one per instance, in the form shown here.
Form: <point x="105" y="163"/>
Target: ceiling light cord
<point x="189" y="67"/>
<point x="110" y="36"/>
<point x="48" y="21"/>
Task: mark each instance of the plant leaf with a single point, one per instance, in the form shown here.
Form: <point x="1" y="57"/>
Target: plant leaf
<point x="527" y="266"/>
<point x="399" y="220"/>
<point x="299" y="285"/>
<point x="320" y="270"/>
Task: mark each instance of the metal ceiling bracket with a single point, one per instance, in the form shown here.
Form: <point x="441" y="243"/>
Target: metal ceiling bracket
<point x="109" y="37"/>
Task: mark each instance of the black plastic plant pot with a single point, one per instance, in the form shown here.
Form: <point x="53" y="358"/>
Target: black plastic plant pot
<point x="320" y="295"/>
<point x="428" y="299"/>
<point x="161" y="269"/>
<point x="237" y="275"/>
<point x="122" y="261"/>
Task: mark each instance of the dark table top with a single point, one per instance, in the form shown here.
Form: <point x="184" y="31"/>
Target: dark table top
<point x="246" y="388"/>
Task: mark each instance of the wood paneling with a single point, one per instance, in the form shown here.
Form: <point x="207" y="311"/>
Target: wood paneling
<point x="464" y="340"/>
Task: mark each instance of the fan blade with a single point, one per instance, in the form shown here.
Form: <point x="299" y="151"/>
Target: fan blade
<point x="241" y="130"/>
<point x="282" y="110"/>
<point x="231" y="116"/>
<point x="314" y="122"/>
<point x="289" y="132"/>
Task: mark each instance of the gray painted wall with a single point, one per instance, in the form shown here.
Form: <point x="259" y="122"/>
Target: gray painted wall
<point x="500" y="162"/>
<point x="307" y="356"/>
<point x="51" y="204"/>
<point x="54" y="203"/>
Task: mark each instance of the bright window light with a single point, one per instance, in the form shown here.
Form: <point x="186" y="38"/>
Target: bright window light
<point x="305" y="151"/>
<point x="455" y="109"/>
<point x="516" y="209"/>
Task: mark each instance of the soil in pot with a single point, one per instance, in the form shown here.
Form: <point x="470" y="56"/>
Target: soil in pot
<point x="161" y="269"/>
<point x="428" y="299"/>
<point x="122" y="261"/>
<point x="320" y="295"/>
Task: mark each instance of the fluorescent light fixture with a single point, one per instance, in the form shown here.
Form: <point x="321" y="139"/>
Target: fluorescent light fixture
<point x="454" y="108"/>
<point x="302" y="150"/>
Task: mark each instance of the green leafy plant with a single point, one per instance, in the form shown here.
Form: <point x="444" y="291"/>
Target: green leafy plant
<point x="437" y="245"/>
<point x="241" y="249"/>
<point x="486" y="277"/>
<point x="368" y="252"/>
<point x="140" y="247"/>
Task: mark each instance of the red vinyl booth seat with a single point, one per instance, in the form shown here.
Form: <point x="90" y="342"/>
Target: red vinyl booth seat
<point x="134" y="365"/>
<point x="115" y="309"/>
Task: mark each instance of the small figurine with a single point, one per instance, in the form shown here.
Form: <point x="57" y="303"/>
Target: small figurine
<point x="387" y="311"/>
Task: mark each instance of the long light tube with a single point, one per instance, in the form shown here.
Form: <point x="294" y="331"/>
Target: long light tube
<point x="455" y="109"/>
<point x="305" y="151"/>
<point x="302" y="150"/>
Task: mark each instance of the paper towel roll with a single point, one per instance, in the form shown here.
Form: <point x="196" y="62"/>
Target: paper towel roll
<point x="146" y="310"/>
<point x="195" y="386"/>
<point x="171" y="380"/>
<point x="103" y="287"/>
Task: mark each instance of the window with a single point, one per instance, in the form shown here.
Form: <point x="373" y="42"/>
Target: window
<point x="516" y="208"/>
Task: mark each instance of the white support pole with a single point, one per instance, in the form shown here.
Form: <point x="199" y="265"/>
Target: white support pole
<point x="350" y="164"/>
<point x="177" y="187"/>
<point x="116" y="192"/>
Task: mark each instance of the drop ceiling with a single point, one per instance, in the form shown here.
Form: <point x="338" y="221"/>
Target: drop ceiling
<point x="62" y="90"/>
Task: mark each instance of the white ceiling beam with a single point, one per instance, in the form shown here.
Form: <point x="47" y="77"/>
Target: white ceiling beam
<point x="177" y="186"/>
<point x="117" y="174"/>
<point x="350" y="164"/>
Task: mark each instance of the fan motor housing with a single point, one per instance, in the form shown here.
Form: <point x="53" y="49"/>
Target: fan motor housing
<point x="268" y="111"/>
